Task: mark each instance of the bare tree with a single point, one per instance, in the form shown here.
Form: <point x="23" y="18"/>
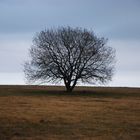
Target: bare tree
<point x="70" y="54"/>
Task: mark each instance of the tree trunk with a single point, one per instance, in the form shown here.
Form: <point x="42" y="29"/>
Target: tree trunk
<point x="67" y="86"/>
<point x="70" y="88"/>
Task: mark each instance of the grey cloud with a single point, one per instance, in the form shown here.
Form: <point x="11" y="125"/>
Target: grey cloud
<point x="13" y="53"/>
<point x="127" y="55"/>
<point x="117" y="20"/>
<point x="125" y="32"/>
<point x="30" y="15"/>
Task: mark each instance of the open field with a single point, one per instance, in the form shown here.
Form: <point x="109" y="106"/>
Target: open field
<point x="49" y="113"/>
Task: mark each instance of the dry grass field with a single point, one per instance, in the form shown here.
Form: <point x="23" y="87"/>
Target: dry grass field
<point x="49" y="113"/>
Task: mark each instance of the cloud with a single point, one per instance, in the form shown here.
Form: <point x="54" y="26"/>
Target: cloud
<point x="126" y="79"/>
<point x="117" y="20"/>
<point x="31" y="16"/>
<point x="128" y="63"/>
<point x="12" y="78"/>
<point x="13" y="53"/>
<point x="127" y="53"/>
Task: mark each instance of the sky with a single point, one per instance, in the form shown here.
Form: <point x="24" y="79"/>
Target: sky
<point x="117" y="20"/>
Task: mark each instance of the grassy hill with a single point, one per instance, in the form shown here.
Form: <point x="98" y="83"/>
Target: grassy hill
<point x="49" y="113"/>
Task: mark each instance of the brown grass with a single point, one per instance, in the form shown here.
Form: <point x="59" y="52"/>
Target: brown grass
<point x="48" y="113"/>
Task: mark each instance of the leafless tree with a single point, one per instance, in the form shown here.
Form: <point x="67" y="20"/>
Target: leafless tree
<point x="70" y="54"/>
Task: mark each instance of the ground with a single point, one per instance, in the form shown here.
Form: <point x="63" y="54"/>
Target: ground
<point x="49" y="113"/>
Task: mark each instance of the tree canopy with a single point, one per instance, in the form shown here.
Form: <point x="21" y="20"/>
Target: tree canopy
<point x="70" y="55"/>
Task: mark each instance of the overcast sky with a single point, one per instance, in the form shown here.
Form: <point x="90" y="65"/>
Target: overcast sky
<point x="117" y="20"/>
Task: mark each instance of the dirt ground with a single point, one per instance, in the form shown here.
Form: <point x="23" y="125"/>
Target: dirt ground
<point x="48" y="113"/>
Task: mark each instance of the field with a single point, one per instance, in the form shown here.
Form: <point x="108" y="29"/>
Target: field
<point x="49" y="113"/>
